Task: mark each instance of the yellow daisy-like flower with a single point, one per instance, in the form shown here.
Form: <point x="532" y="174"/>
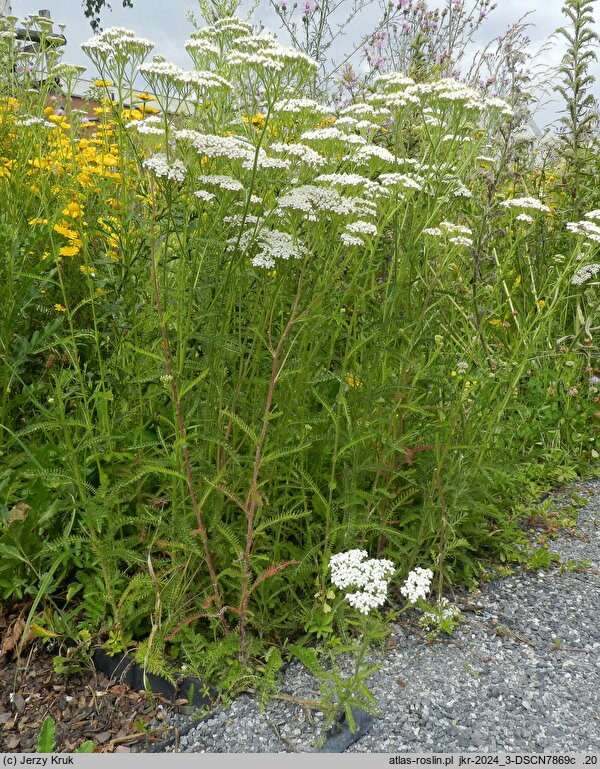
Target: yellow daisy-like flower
<point x="144" y="96"/>
<point x="69" y="250"/>
<point x="103" y="83"/>
<point x="354" y="381"/>
<point x="87" y="270"/>
<point x="60" y="308"/>
<point x="326" y="122"/>
<point x="74" y="210"/>
<point x="63" y="229"/>
<point x="37" y="220"/>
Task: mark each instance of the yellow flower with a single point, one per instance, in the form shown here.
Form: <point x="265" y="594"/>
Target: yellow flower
<point x="353" y="381"/>
<point x="69" y="250"/>
<point x="542" y="304"/>
<point x="60" y="308"/>
<point x="131" y="114"/>
<point x="326" y="122"/>
<point x="37" y="220"/>
<point x="145" y="96"/>
<point x="74" y="210"/>
<point x="63" y="229"/>
<point x="87" y="270"/>
<point x="103" y="83"/>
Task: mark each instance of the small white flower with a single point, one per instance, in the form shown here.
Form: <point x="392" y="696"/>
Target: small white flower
<point x="174" y="171"/>
<point x="417" y="584"/>
<point x="528" y="203"/>
<point x="585" y="273"/>
<point x="351" y="570"/>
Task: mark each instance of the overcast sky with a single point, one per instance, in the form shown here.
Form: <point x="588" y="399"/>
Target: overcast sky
<point x="165" y="23"/>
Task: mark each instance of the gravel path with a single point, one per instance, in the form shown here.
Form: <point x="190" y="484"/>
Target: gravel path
<point x="521" y="673"/>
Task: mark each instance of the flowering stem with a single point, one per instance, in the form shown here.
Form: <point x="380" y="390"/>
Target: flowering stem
<point x="253" y="495"/>
<point x="442" y="533"/>
<point x="182" y="433"/>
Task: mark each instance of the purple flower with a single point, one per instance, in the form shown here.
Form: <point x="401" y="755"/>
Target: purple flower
<point x="406" y="27"/>
<point x="403" y="3"/>
<point x="308" y="7"/>
<point x="283" y="5"/>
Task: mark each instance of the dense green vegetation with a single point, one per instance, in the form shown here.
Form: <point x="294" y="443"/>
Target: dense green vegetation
<point x="245" y="335"/>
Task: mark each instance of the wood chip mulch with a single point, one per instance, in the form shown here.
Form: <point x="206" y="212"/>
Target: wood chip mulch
<point x="85" y="705"/>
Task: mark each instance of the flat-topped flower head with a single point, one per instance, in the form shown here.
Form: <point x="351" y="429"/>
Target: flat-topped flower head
<point x="117" y="42"/>
<point x="529" y="204"/>
<point x="162" y="169"/>
<point x="351" y="570"/>
<point x="417" y="584"/>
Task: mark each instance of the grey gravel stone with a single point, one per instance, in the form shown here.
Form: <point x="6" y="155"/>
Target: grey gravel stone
<point x="522" y="672"/>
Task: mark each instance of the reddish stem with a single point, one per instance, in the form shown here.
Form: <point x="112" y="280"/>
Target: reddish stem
<point x="252" y="498"/>
<point x="181" y="427"/>
<point x="442" y="532"/>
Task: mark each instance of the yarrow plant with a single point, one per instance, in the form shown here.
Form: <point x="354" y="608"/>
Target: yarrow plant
<point x="246" y="324"/>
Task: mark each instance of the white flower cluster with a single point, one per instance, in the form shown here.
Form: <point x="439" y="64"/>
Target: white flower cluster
<point x="313" y="200"/>
<point x="532" y="204"/>
<point x="350" y="570"/>
<point x="407" y="181"/>
<point x="443" y="611"/>
<point x="224" y="182"/>
<point x="216" y="146"/>
<point x="595" y="214"/>
<point x="417" y="584"/>
<point x="265" y="52"/>
<point x="264" y="161"/>
<point x="397" y="91"/>
<point x="393" y="80"/>
<point x="274" y="244"/>
<point x="495" y="103"/>
<point x="117" y="41"/>
<point x="369" y="151"/>
<point x="462" y="191"/>
<point x="348" y="180"/>
<point x="351" y="240"/>
<point x="295" y="106"/>
<point x="329" y="133"/>
<point x="228" y="25"/>
<point x="204" y="195"/>
<point x="362" y="227"/>
<point x="151" y="126"/>
<point x="361" y="109"/>
<point x="585" y="273"/>
<point x="524" y="218"/>
<point x="590" y="230"/>
<point x="30" y="121"/>
<point x="162" y="73"/>
<point x="455" y="228"/>
<point x="357" y="125"/>
<point x="305" y="154"/>
<point x="162" y="169"/>
<point x="201" y="46"/>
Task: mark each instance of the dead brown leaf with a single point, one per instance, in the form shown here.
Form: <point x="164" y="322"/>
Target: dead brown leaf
<point x="18" y="512"/>
<point x="13" y="636"/>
